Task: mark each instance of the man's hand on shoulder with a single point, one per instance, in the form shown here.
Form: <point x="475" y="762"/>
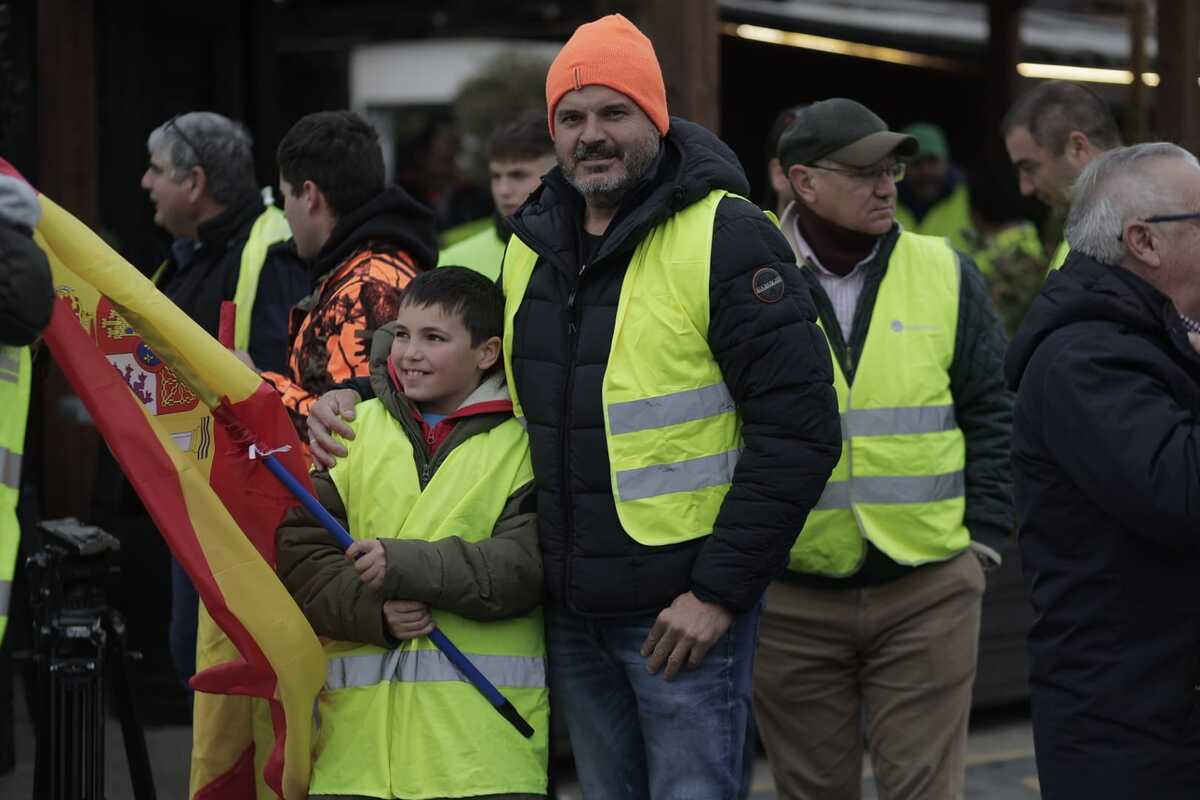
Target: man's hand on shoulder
<point x="683" y="634"/>
<point x="327" y="417"/>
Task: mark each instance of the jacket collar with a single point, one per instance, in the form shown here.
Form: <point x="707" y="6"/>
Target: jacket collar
<point x="232" y="223"/>
<point x="392" y="220"/>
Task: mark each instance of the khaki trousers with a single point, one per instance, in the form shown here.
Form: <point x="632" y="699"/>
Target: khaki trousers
<point x="899" y="657"/>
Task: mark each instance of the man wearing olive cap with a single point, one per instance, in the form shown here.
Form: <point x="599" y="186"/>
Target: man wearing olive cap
<point x="878" y="611"/>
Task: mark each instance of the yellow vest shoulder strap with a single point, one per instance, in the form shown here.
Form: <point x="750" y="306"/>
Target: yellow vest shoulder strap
<point x="270" y="227"/>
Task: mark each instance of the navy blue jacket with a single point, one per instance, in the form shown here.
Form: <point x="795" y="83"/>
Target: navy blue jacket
<point x="1106" y="458"/>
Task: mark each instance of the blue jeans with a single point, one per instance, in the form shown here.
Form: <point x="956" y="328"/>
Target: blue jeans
<point x="635" y="735"/>
<point x="184" y="621"/>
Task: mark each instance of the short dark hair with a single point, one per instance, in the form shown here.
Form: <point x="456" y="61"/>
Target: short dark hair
<point x="461" y="292"/>
<point x="1053" y="109"/>
<point x="522" y="138"/>
<point x="339" y="152"/>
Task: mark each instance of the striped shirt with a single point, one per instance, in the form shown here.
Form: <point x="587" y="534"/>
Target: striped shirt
<point x="843" y="290"/>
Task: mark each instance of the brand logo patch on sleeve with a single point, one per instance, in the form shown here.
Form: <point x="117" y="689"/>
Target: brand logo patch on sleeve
<point x="768" y="285"/>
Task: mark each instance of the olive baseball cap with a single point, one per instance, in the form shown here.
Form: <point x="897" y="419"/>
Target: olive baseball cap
<point x="844" y="131"/>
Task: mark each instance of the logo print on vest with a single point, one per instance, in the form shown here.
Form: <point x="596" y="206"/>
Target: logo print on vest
<point x="768" y="285"/>
<point x="901" y="327"/>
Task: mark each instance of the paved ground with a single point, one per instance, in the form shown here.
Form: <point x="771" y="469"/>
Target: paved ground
<point x="1000" y="762"/>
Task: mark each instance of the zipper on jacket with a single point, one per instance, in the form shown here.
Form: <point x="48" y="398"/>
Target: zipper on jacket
<point x="425" y="475"/>
<point x="565" y="436"/>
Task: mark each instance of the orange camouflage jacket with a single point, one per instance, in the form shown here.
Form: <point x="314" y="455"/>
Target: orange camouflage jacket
<point x="331" y="329"/>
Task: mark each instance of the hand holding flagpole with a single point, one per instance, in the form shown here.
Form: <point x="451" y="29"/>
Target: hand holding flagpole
<point x="502" y="705"/>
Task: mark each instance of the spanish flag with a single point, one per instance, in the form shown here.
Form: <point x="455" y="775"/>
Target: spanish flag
<point x="181" y="413"/>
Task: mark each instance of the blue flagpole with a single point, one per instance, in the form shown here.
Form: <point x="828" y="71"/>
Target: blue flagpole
<point x="439" y="639"/>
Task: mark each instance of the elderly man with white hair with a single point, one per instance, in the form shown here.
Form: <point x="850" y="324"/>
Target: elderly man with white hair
<point x="1106" y="456"/>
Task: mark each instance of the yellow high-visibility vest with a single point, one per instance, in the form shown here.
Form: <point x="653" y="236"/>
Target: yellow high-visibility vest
<point x="270" y="228"/>
<point x="949" y="218"/>
<point x="405" y="722"/>
<point x="14" y="399"/>
<point x="672" y="431"/>
<point x="900" y="480"/>
<point x="482" y="252"/>
<point x="1060" y="255"/>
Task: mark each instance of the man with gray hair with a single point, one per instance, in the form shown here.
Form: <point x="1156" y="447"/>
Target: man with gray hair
<point x="201" y="181"/>
<point x="1106" y="457"/>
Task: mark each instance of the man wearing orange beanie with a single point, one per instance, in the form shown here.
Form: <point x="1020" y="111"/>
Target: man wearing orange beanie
<point x="662" y="350"/>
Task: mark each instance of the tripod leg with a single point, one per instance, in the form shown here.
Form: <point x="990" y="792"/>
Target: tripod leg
<point x="136" y="753"/>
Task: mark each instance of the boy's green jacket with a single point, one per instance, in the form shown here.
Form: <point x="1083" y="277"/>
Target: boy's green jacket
<point x="495" y="578"/>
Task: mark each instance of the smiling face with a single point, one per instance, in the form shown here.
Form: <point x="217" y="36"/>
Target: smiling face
<point x="434" y="359"/>
<point x="604" y="143"/>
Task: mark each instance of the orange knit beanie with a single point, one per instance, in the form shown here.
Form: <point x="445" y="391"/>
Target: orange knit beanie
<point x="610" y="52"/>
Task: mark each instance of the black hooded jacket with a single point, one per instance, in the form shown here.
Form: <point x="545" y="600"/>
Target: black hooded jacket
<point x="773" y="357"/>
<point x="1106" y="457"/>
<point x="392" y="221"/>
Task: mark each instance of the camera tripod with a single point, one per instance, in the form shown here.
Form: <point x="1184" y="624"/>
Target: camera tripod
<point x="79" y="648"/>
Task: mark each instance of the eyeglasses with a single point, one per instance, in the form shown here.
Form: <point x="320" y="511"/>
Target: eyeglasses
<point x="173" y="123"/>
<point x="894" y="171"/>
<point x="1165" y="218"/>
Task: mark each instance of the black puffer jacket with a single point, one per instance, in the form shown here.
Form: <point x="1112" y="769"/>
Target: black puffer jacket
<point x="1106" y="458"/>
<point x="773" y="357"/>
<point x="26" y="290"/>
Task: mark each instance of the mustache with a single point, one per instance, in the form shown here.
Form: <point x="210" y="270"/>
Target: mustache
<point x="595" y="150"/>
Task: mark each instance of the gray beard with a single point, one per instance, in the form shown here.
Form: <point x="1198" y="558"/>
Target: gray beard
<point x="609" y="192"/>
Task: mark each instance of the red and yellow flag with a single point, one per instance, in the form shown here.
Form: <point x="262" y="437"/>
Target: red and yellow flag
<point x="180" y="412"/>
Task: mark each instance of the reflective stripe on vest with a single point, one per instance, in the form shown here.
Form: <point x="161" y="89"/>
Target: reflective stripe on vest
<point x="900" y="481"/>
<point x="403" y="722"/>
<point x="270" y="227"/>
<point x="416" y="666"/>
<point x="672" y="430"/>
<point x="15" y="371"/>
<point x="10" y="468"/>
<point x="898" y="421"/>
<point x="906" y="489"/>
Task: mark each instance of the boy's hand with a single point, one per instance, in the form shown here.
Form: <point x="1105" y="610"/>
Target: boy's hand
<point x="407" y="619"/>
<point x="370" y="560"/>
<point x="325" y="419"/>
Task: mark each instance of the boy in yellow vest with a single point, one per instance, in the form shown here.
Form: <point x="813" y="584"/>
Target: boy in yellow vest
<point x="438" y="490"/>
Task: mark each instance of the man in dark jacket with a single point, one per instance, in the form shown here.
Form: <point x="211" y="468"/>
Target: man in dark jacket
<point x="878" y="615"/>
<point x="200" y="179"/>
<point x="630" y="588"/>
<point x="1106" y="453"/>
